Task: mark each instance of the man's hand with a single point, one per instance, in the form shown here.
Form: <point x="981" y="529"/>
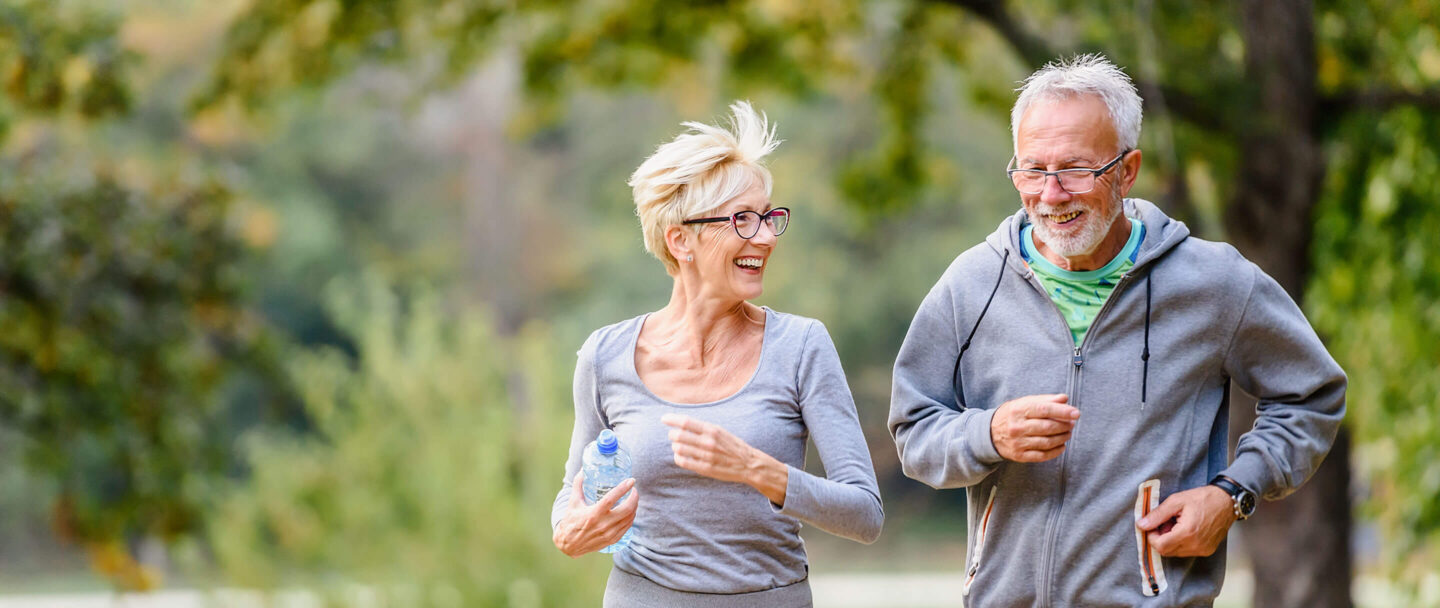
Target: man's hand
<point x="1190" y="523"/>
<point x="1033" y="428"/>
<point x="587" y="528"/>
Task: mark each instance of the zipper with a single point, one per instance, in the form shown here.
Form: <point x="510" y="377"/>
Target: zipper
<point x="1077" y="361"/>
<point x="1052" y="522"/>
<point x="980" y="541"/>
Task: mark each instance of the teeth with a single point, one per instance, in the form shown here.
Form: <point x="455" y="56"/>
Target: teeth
<point x="749" y="262"/>
<point x="1064" y="218"/>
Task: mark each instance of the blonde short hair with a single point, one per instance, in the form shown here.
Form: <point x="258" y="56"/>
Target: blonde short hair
<point x="699" y="171"/>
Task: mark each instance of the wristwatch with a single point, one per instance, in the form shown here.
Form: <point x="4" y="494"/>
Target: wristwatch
<point x="1244" y="499"/>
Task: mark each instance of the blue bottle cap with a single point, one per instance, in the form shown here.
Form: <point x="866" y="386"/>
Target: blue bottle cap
<point x="607" y="443"/>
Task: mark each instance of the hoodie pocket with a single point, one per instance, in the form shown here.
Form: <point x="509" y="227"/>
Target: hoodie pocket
<point x="1152" y="568"/>
<point x="980" y="534"/>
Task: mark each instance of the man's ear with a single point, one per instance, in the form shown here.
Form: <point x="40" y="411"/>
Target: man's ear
<point x="1131" y="166"/>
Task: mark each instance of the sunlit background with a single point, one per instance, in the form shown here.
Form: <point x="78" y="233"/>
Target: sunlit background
<point x="290" y="290"/>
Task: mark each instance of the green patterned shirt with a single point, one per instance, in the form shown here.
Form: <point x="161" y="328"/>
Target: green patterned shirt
<point x="1079" y="295"/>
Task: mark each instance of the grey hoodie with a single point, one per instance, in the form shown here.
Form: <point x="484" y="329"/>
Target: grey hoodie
<point x="1062" y="532"/>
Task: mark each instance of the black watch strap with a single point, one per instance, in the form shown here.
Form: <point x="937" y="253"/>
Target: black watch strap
<point x="1244" y="499"/>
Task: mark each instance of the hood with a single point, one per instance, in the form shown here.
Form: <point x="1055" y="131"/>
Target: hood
<point x="1162" y="233"/>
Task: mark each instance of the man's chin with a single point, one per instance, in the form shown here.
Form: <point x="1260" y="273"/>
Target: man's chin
<point x="1068" y="247"/>
<point x="1073" y="248"/>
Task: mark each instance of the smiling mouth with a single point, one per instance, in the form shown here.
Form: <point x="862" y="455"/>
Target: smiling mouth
<point x="750" y="263"/>
<point x="1064" y="218"/>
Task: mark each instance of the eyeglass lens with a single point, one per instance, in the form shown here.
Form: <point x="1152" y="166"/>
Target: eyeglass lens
<point x="1033" y="182"/>
<point x="747" y="223"/>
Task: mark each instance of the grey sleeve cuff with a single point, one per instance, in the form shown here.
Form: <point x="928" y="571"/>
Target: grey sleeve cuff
<point x="799" y="501"/>
<point x="1250" y="471"/>
<point x="841" y="509"/>
<point x="977" y="438"/>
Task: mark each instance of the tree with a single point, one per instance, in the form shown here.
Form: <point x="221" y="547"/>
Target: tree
<point x="1246" y="103"/>
<point x="125" y="322"/>
<point x="430" y="473"/>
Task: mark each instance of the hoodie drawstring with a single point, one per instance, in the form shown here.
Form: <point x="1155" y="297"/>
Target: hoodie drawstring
<point x="959" y="384"/>
<point x="1145" y="354"/>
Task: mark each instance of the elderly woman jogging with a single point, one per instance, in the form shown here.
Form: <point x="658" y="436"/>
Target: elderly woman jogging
<point x="715" y="397"/>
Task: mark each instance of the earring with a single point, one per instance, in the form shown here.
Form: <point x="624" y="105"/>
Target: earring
<point x="689" y="258"/>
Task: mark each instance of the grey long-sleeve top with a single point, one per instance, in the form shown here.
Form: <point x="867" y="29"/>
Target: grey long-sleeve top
<point x="697" y="534"/>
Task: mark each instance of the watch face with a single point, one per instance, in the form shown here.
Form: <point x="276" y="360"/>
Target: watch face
<point x="1247" y="503"/>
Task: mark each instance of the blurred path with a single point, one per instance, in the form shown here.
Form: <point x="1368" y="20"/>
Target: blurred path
<point x="832" y="590"/>
<point x="936" y="590"/>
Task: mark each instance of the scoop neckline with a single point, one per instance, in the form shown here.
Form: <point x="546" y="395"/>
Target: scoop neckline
<point x="759" y="365"/>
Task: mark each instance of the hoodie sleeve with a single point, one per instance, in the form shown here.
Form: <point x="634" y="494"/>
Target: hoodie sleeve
<point x="939" y="444"/>
<point x="1276" y="356"/>
<point x="846" y="502"/>
<point x="588" y="424"/>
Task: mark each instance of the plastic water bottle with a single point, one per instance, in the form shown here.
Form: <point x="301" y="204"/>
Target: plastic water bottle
<point x="606" y="464"/>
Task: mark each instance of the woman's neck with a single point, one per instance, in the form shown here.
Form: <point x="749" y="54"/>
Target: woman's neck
<point x="701" y="325"/>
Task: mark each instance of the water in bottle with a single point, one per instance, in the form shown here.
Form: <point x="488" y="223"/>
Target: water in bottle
<point x="606" y="464"/>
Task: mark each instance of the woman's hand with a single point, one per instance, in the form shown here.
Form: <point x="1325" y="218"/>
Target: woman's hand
<point x="714" y="452"/>
<point x="588" y="528"/>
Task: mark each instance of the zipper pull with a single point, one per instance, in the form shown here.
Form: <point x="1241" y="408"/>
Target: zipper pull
<point x="1077" y="359"/>
<point x="973" y="569"/>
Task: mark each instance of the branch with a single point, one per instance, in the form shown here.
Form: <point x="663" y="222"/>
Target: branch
<point x="1377" y="100"/>
<point x="1034" y="51"/>
<point x="1182" y="105"/>
<point x="1031" y="48"/>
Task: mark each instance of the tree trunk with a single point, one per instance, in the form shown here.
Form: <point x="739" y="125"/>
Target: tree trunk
<point x="1299" y="547"/>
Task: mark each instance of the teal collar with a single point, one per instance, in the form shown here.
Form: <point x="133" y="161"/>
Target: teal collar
<point x="1044" y="266"/>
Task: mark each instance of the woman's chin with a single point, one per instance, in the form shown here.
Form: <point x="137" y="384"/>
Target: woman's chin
<point x="750" y="292"/>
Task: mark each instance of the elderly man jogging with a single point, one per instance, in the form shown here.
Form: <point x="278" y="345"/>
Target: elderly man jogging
<point x="1072" y="372"/>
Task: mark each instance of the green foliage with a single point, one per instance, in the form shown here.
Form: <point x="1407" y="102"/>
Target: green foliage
<point x="436" y="455"/>
<point x="1376" y="297"/>
<point x="121" y="325"/>
<point x="280" y="45"/>
<point x="128" y="337"/>
<point x="61" y="57"/>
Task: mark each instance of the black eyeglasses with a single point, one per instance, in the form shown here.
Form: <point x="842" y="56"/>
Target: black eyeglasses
<point x="1074" y="181"/>
<point x="747" y="223"/>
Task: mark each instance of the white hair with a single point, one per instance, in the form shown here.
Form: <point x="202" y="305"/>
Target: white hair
<point x="1089" y="74"/>
<point x="699" y="171"/>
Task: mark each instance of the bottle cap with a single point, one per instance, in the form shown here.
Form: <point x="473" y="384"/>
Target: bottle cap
<point x="607" y="443"/>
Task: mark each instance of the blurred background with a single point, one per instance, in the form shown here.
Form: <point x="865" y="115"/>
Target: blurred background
<point x="290" y="290"/>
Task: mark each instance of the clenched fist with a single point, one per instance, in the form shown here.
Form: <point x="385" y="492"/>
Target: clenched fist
<point x="1033" y="428"/>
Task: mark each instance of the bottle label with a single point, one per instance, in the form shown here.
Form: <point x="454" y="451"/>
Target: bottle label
<point x="602" y="489"/>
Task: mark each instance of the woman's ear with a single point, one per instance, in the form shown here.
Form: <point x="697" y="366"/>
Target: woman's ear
<point x="680" y="242"/>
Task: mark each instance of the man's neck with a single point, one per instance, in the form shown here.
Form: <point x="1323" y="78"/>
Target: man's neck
<point x="1108" y="248"/>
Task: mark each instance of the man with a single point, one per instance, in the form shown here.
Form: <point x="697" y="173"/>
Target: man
<point x="1088" y="420"/>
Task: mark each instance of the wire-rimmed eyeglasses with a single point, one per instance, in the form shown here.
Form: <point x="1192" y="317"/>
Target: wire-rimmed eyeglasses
<point x="747" y="223"/>
<point x="1074" y="181"/>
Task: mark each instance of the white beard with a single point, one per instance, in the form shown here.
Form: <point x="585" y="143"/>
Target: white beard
<point x="1083" y="242"/>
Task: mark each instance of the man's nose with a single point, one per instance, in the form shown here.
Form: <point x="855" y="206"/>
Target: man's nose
<point x="1052" y="192"/>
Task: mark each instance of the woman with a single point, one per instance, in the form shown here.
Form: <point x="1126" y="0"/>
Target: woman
<point x="715" y="397"/>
